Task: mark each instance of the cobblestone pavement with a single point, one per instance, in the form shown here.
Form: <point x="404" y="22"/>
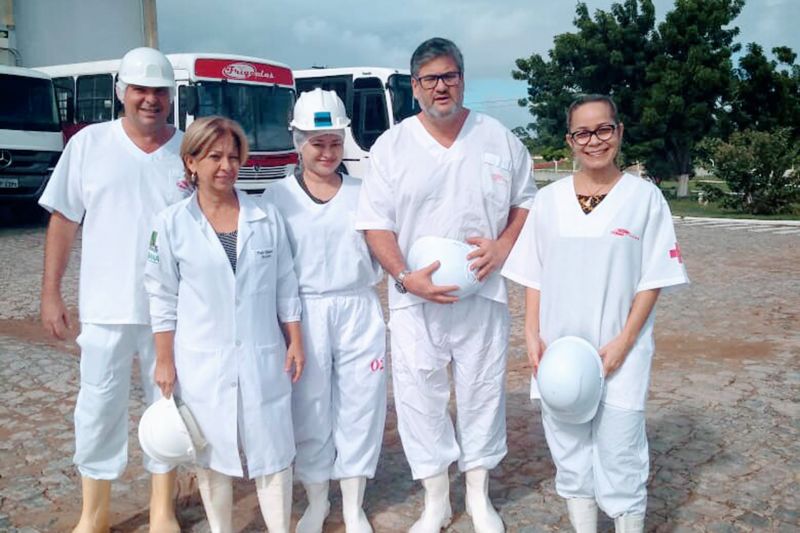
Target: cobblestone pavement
<point x="722" y="418"/>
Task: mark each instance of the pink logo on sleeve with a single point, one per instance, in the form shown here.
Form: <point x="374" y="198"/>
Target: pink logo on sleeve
<point x="675" y="253"/>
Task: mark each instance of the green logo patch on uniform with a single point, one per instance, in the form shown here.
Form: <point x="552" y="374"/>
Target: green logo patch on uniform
<point x="152" y="253"/>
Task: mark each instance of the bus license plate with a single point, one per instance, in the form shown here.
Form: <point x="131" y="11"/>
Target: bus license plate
<point x="9" y="183"/>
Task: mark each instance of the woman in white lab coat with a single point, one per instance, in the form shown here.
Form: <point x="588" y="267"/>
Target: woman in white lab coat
<point x="226" y="317"/>
<point x="339" y="405"/>
<point x="594" y="254"/>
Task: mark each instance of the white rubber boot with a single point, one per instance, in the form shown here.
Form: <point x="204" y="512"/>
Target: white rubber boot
<point x="318" y="508"/>
<point x="355" y="520"/>
<point x="582" y="514"/>
<point x="437" y="513"/>
<point x="275" y="499"/>
<point x="484" y="517"/>
<point x="216" y="491"/>
<point x="629" y="523"/>
<point x="94" y="510"/>
<point x="162" y="503"/>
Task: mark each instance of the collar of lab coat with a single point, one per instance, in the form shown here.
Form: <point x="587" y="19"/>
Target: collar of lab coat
<point x="249" y="212"/>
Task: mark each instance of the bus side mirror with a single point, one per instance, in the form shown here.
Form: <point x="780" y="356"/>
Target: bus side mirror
<point x="190" y="99"/>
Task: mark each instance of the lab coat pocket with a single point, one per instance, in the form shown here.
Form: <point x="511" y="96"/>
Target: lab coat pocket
<point x="200" y="373"/>
<point x="275" y="382"/>
<point x="496" y="180"/>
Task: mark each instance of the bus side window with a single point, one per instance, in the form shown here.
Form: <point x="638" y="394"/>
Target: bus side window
<point x="65" y="96"/>
<point x="370" y="117"/>
<point x="95" y="98"/>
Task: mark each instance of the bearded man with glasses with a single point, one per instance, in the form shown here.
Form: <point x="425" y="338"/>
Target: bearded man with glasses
<point x="453" y="173"/>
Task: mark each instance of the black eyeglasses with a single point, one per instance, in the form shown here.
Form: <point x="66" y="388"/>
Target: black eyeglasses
<point x="603" y="133"/>
<point x="451" y="79"/>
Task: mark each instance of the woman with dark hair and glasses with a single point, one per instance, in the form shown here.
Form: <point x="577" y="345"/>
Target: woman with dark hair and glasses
<point x="593" y="255"/>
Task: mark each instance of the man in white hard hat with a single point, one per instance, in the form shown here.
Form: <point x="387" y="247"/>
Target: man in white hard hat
<point x="113" y="177"/>
<point x="447" y="172"/>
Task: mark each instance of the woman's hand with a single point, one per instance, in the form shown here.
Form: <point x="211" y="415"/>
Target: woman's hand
<point x="614" y="353"/>
<point x="295" y="361"/>
<point x="165" y="376"/>
<point x="536" y="348"/>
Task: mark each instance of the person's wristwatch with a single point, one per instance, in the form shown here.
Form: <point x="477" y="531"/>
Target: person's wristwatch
<point x="399" y="281"/>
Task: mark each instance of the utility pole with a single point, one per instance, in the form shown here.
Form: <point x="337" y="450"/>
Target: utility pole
<point x="150" y="23"/>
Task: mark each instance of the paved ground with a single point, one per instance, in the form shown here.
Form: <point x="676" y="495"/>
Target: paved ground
<point x="722" y="418"/>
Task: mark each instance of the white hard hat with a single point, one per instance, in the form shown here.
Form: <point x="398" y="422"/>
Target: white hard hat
<point x="168" y="433"/>
<point x="146" y="67"/>
<point x="454" y="265"/>
<point x="319" y="110"/>
<point x="570" y="380"/>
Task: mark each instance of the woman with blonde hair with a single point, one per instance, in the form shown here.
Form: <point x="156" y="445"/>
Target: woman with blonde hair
<point x="226" y="317"/>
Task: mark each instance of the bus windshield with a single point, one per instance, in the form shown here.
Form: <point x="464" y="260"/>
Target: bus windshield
<point x="27" y="103"/>
<point x="262" y="111"/>
<point x="403" y="103"/>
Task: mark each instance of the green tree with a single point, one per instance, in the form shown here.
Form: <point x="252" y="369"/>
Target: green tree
<point x="766" y="93"/>
<point x="668" y="82"/>
<point x="760" y="169"/>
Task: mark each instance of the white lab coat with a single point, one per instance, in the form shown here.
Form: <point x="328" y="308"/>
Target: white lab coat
<point x="229" y="349"/>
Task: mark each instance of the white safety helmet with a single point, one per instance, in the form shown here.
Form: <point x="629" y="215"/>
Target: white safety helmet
<point x="319" y="110"/>
<point x="570" y="380"/>
<point x="146" y="67"/>
<point x="454" y="265"/>
<point x="169" y="433"/>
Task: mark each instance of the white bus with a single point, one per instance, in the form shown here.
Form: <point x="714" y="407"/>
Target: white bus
<point x="30" y="134"/>
<point x="376" y="99"/>
<point x="257" y="93"/>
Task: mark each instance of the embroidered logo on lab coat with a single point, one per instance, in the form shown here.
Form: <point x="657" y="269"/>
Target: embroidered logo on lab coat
<point x="264" y="253"/>
<point x="152" y="253"/>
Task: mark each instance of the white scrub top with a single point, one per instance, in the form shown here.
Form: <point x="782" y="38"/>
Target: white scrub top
<point x="227" y="331"/>
<point x="107" y="181"/>
<point x="589" y="268"/>
<point x="330" y="255"/>
<point x="417" y="187"/>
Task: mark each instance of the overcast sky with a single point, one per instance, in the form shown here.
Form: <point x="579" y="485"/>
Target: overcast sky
<point x="491" y="34"/>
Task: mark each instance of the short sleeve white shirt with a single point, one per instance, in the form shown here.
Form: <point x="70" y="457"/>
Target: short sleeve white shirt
<point x="104" y="180"/>
<point x="416" y="187"/>
<point x="330" y="255"/>
<point x="588" y="269"/>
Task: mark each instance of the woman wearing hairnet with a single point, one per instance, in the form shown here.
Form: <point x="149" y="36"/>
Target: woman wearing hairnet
<point x="593" y="256"/>
<point x="339" y="405"/>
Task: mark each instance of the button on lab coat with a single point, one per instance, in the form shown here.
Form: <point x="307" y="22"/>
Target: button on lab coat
<point x="228" y="341"/>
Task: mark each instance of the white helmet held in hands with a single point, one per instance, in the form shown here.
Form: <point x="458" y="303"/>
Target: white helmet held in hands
<point x="570" y="380"/>
<point x="145" y="67"/>
<point x="454" y="265"/>
<point x="319" y="110"/>
<point x="169" y="433"/>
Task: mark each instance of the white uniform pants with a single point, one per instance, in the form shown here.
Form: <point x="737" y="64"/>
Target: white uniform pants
<point x="101" y="412"/>
<point x="471" y="336"/>
<point x="605" y="458"/>
<point x="339" y="403"/>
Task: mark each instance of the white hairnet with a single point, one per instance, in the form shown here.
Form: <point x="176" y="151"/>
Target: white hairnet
<point x="301" y="137"/>
<point x="121" y="86"/>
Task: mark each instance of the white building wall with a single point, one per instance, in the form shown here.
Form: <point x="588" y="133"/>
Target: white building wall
<point x="54" y="32"/>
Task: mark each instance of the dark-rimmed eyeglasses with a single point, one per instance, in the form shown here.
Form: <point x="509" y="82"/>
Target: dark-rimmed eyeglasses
<point x="451" y="79"/>
<point x="603" y="133"/>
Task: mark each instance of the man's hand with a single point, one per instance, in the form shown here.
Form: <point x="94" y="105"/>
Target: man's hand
<point x="54" y="315"/>
<point x="488" y="256"/>
<point x="420" y="284"/>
